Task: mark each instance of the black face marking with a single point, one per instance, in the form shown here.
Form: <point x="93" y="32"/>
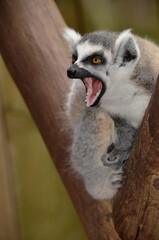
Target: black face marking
<point x="107" y="73"/>
<point x="74" y="56"/>
<point x="100" y="55"/>
<point x="75" y="72"/>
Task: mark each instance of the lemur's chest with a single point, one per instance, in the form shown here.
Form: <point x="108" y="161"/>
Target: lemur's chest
<point x="128" y="101"/>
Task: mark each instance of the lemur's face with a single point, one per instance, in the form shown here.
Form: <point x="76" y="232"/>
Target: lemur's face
<point x="98" y="59"/>
<point x="89" y="63"/>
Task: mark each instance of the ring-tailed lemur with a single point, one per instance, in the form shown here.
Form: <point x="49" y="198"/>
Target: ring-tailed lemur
<point x="118" y="72"/>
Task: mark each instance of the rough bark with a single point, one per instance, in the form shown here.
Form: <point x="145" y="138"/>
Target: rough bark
<point x="36" y="56"/>
<point x="136" y="206"/>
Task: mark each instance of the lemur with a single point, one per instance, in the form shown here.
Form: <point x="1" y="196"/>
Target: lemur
<point x="113" y="75"/>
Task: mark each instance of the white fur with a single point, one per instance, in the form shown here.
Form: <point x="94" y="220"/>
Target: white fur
<point x="120" y="44"/>
<point x="72" y="37"/>
<point x="86" y="49"/>
<point x="122" y="98"/>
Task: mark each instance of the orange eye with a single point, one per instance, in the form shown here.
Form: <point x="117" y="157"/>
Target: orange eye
<point x="73" y="60"/>
<point x="96" y="60"/>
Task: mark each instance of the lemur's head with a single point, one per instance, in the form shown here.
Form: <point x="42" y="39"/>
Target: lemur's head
<point x="100" y="59"/>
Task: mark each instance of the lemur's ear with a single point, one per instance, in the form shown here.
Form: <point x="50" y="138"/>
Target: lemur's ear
<point x="72" y="37"/>
<point x="126" y="49"/>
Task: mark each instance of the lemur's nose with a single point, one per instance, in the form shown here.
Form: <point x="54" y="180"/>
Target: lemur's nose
<point x="75" y="72"/>
<point x="71" y="73"/>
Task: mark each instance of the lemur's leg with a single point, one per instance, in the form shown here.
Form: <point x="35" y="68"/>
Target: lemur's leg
<point x="118" y="152"/>
<point x="93" y="133"/>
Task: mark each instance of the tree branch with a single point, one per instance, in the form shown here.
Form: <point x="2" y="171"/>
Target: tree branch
<point x="36" y="56"/>
<point x="136" y="206"/>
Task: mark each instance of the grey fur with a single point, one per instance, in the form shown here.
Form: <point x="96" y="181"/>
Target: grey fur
<point x="104" y="38"/>
<point x="117" y="156"/>
<point x="143" y="76"/>
<point x="129" y="75"/>
<point x="85" y="157"/>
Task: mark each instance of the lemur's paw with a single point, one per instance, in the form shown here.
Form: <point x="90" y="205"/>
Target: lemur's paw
<point x="114" y="158"/>
<point x="117" y="178"/>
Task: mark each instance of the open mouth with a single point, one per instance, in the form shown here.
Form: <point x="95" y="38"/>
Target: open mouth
<point x="94" y="90"/>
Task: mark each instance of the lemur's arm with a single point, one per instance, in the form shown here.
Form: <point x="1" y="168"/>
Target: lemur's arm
<point x="118" y="152"/>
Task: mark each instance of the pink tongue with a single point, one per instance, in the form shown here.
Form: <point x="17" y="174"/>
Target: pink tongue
<point x="94" y="87"/>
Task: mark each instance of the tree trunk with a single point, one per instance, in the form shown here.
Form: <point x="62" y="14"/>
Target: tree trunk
<point x="35" y="53"/>
<point x="136" y="206"/>
<point x="36" y="56"/>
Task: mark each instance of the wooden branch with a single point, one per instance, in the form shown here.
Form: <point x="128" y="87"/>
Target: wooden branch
<point x="35" y="54"/>
<point x="136" y="206"/>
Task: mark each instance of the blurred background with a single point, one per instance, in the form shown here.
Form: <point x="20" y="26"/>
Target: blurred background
<point x="28" y="177"/>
